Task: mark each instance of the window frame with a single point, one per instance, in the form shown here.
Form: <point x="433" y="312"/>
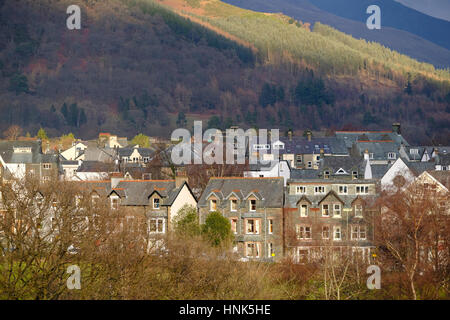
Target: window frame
<point x="158" y="201"/>
<point x="158" y="222"/>
<point x="335" y="231"/>
<point x="326" y="210"/>
<point x="211" y="202"/>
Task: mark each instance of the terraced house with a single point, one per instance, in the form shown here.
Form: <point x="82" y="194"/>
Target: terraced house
<point x="21" y="158"/>
<point x="155" y="201"/>
<point x="150" y="204"/>
<point x="322" y="213"/>
<point x="254" y="207"/>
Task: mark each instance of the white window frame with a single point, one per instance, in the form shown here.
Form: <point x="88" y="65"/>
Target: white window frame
<point x="256" y="225"/>
<point x="113" y="198"/>
<point x="270" y="250"/>
<point x="158" y="205"/>
<point x="392" y="155"/>
<point x="231" y="205"/>
<point x="319" y="190"/>
<point x="47" y="165"/>
<point x="211" y="206"/>
<point x="158" y="222"/>
<point x="250" y="205"/>
<point x="234" y="221"/>
<point x="302" y="232"/>
<point x="270" y="226"/>
<point x="335" y="214"/>
<point x="358" y="230"/>
<point x="300" y="189"/>
<point x="362" y="189"/>
<point x="305" y="213"/>
<point x="256" y="246"/>
<point x="337" y="230"/>
<point x="359" y="210"/>
<point x="325" y="210"/>
<point x="343" y="189"/>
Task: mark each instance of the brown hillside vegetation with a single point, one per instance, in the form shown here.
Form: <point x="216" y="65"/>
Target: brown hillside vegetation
<point x="135" y="65"/>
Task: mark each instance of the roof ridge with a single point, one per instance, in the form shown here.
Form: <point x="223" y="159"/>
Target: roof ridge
<point x="223" y="178"/>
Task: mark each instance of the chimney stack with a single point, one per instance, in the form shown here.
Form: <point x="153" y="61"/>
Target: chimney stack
<point x="116" y="177"/>
<point x="180" y="178"/>
<point x="366" y="155"/>
<point x="396" y="128"/>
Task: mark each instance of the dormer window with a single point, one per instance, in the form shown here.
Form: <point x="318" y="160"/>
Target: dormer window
<point x="326" y="174"/>
<point x="95" y="199"/>
<point x="252" y="205"/>
<point x="233" y="204"/>
<point x="355" y="174"/>
<point x="115" y="203"/>
<point x="156" y="203"/>
<point x="341" y="171"/>
<point x="304" y="210"/>
<point x="392" y="155"/>
<point x="213" y="205"/>
<point x="414" y="151"/>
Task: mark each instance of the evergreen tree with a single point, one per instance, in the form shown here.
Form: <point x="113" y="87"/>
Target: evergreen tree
<point x="181" y="120"/>
<point x="142" y="140"/>
<point x="217" y="229"/>
<point x="42" y="134"/>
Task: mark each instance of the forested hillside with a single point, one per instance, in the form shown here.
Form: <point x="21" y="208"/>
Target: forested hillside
<point x="138" y="67"/>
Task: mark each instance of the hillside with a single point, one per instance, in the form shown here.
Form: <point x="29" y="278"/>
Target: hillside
<point x="137" y="66"/>
<point x="401" y="40"/>
<point x="394" y="15"/>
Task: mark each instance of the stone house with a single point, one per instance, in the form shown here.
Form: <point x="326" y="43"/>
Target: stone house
<point x="254" y="207"/>
<point x="323" y="213"/>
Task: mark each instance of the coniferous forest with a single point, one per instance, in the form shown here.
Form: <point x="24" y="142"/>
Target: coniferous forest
<point x="138" y="65"/>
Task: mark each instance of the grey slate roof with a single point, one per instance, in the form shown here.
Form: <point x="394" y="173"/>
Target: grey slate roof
<point x="380" y="150"/>
<point x="137" y="192"/>
<point x="35" y="156"/>
<point x="304" y="174"/>
<point x="291" y="200"/>
<point x="94" y="153"/>
<point x="346" y="162"/>
<point x="418" y="167"/>
<point x="379" y="170"/>
<point x="102" y="188"/>
<point x="443" y="159"/>
<point x="269" y="191"/>
<point x="301" y="145"/>
<point x="96" y="166"/>
<point x="350" y="137"/>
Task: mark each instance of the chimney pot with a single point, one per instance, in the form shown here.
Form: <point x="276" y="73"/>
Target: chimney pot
<point x="396" y="128"/>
